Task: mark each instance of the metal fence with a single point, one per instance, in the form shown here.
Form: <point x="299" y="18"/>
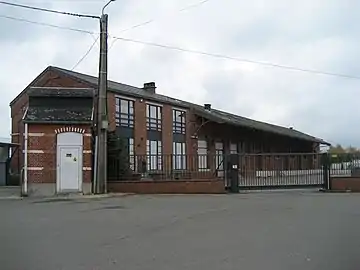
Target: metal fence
<point x="254" y="170"/>
<point x="162" y="167"/>
<point x="344" y="164"/>
<point x="290" y="170"/>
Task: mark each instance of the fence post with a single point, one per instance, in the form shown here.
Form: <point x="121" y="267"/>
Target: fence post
<point x="325" y="160"/>
<point x="233" y="172"/>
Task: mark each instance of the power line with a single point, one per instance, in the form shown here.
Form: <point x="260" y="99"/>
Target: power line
<point x="175" y="48"/>
<point x="49" y="10"/>
<point x="152" y="20"/>
<point x="237" y="59"/>
<point x="86" y="54"/>
<point x="73" y="1"/>
<point x="139" y="25"/>
<point x="47" y="24"/>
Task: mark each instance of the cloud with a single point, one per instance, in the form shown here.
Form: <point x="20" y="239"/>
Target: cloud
<point x="318" y="35"/>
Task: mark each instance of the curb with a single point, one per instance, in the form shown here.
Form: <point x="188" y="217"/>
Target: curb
<point x="11" y="198"/>
<point x="80" y="197"/>
<point x="335" y="191"/>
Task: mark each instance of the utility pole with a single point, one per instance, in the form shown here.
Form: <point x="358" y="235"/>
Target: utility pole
<point x="102" y="114"/>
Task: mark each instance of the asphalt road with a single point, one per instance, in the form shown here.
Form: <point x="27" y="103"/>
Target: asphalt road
<point x="267" y="230"/>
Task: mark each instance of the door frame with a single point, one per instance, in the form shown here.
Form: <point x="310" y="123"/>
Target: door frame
<point x="69" y="140"/>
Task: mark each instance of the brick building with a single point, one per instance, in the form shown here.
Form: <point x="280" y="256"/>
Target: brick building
<point x="152" y="125"/>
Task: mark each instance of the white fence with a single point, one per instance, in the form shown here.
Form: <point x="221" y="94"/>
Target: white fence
<point x="289" y="173"/>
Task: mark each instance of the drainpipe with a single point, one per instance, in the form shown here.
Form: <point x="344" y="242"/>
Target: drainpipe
<point x="26" y="160"/>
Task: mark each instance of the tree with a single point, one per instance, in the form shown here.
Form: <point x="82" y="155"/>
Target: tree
<point x="338" y="149"/>
<point x="118" y="158"/>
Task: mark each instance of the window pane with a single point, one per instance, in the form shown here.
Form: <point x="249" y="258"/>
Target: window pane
<point x="219" y="146"/>
<point x="124" y="106"/>
<point x="202" y="144"/>
<point x="153" y="147"/>
<point x="233" y="148"/>
<point x="153" y="111"/>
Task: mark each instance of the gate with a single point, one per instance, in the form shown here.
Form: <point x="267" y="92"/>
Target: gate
<point x="278" y="171"/>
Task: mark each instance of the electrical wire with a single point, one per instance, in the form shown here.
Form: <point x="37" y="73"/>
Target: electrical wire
<point x="142" y="24"/>
<point x="86" y="54"/>
<point x="152" y="20"/>
<point x="49" y="10"/>
<point x="175" y="48"/>
<point x="47" y="24"/>
<point x="237" y="59"/>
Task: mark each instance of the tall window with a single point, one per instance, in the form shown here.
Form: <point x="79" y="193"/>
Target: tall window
<point x="219" y="158"/>
<point x="124" y="113"/>
<point x="131" y="154"/>
<point x="153" y="117"/>
<point x="179" y="121"/>
<point x="154" y="155"/>
<point x="179" y="157"/>
<point x="202" y="155"/>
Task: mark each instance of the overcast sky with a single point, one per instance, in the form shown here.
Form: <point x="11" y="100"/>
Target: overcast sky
<point x="320" y="34"/>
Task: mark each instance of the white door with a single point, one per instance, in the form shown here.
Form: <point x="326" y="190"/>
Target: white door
<point x="69" y="168"/>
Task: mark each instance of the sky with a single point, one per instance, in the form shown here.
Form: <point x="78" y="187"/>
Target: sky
<point x="317" y="35"/>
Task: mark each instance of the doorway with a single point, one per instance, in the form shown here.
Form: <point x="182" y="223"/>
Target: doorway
<point x="69" y="162"/>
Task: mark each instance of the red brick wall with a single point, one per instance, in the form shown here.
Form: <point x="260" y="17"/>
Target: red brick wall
<point x="167" y="136"/>
<point x="345" y="183"/>
<point x="47" y="159"/>
<point x="169" y="187"/>
<point x="50" y="79"/>
<point x="140" y="127"/>
<point x="111" y="110"/>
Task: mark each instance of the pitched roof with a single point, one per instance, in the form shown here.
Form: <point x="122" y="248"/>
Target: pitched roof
<point x="59" y="112"/>
<point x="213" y="114"/>
<point x="58" y="115"/>
<point x="61" y="92"/>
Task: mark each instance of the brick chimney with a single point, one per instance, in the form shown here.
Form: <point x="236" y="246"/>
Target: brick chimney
<point x="150" y="87"/>
<point x="207" y="106"/>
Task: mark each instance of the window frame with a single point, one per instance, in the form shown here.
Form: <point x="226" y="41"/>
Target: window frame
<point x="124" y="119"/>
<point x="203" y="159"/>
<point x="151" y="157"/>
<point x="179" y="159"/>
<point x="153" y="123"/>
<point x="179" y="127"/>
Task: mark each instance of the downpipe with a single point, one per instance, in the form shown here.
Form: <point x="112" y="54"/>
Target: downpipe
<point x="25" y="168"/>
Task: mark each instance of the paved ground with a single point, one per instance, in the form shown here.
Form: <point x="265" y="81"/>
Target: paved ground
<point x="273" y="230"/>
